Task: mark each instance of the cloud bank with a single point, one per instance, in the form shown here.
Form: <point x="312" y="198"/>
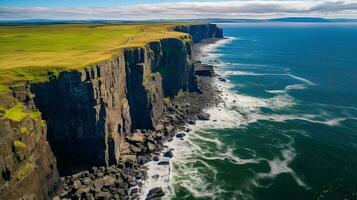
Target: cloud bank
<point x="186" y="10"/>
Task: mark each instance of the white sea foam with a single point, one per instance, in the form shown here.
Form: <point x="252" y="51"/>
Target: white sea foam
<point x="287" y="89"/>
<point x="280" y="166"/>
<point x="237" y="110"/>
<point x="247" y="73"/>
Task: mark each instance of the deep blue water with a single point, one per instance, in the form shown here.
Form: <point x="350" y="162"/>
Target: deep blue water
<point x="288" y="129"/>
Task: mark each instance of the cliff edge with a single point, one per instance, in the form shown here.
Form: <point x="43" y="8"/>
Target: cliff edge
<point x="83" y="118"/>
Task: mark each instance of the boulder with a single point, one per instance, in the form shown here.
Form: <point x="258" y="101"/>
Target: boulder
<point x="155" y="193"/>
<point x="168" y="154"/>
<point x="163" y="163"/>
<point x="137" y="137"/>
<point x="203" y="116"/>
<point x="180" y="135"/>
<point x="159" y="127"/>
<point x="108" y="181"/>
<point x="151" y="147"/>
<point x="102" y="195"/>
<point x="130" y="158"/>
<point x="99" y="183"/>
<point x="191" y="122"/>
<point x="77" y="184"/>
<point x="156" y="158"/>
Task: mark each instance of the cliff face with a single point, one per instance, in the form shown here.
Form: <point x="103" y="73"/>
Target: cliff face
<point x="90" y="112"/>
<point x="28" y="167"/>
<point x="200" y="32"/>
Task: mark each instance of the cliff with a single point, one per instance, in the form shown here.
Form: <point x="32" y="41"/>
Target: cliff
<point x="86" y="115"/>
<point x="200" y="32"/>
<point x="27" y="164"/>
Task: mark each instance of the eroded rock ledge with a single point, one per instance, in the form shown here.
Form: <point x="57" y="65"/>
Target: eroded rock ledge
<point x="92" y="117"/>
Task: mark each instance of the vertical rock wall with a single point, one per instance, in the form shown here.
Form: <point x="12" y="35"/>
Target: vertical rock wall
<point x="28" y="167"/>
<point x="88" y="113"/>
<point x="200" y="32"/>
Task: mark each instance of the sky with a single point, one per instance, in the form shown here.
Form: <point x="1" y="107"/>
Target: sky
<point x="173" y="9"/>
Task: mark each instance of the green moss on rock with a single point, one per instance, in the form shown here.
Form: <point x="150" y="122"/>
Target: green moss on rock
<point x="24" y="130"/>
<point x="43" y="123"/>
<point x="19" y="144"/>
<point x="16" y="113"/>
<point x="24" y="170"/>
<point x="35" y="115"/>
<point x="167" y="101"/>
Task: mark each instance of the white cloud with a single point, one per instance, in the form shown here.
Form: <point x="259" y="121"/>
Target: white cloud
<point x="226" y="9"/>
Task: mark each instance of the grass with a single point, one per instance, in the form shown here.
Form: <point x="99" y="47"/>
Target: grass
<point x="30" y="52"/>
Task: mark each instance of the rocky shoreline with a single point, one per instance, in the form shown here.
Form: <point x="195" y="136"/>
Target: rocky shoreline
<point x="124" y="180"/>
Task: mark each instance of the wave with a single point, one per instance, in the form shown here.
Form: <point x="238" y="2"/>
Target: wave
<point x="280" y="166"/>
<point x="246" y="73"/>
<point x="287" y="89"/>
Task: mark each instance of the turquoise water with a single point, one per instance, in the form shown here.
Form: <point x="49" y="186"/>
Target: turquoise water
<point x="288" y="128"/>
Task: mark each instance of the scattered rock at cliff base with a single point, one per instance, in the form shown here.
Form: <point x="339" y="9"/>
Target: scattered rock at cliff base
<point x="163" y="163"/>
<point x="180" y="135"/>
<point x="155" y="193"/>
<point x="222" y="79"/>
<point x="151" y="146"/>
<point x="137" y="137"/>
<point x="203" y="116"/>
<point x="168" y="154"/>
<point x="204" y="70"/>
<point x="156" y="158"/>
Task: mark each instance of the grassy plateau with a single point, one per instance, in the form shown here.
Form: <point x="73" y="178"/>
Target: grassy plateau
<point x="29" y="52"/>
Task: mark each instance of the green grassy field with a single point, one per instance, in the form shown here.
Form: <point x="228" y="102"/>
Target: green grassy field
<point x="29" y="52"/>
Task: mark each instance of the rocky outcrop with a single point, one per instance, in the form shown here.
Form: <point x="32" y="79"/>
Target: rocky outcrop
<point x="28" y="167"/>
<point x="204" y="69"/>
<point x="200" y="32"/>
<point x="90" y="115"/>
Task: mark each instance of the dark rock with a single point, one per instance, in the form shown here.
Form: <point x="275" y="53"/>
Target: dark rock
<point x="163" y="163"/>
<point x="154" y="193"/>
<point x="222" y="79"/>
<point x="168" y="154"/>
<point x="134" y="191"/>
<point x="156" y="158"/>
<point x="203" y="116"/>
<point x="204" y="70"/>
<point x="191" y="122"/>
<point x="180" y="135"/>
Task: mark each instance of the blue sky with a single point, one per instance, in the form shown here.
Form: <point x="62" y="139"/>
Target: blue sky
<point x="173" y="9"/>
<point x="84" y="3"/>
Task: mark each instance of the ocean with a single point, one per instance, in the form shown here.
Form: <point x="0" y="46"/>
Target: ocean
<point x="287" y="128"/>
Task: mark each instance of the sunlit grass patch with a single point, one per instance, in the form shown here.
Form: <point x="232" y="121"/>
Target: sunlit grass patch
<point x="29" y="53"/>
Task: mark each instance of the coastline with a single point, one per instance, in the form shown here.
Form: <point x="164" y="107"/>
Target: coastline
<point x="159" y="170"/>
<point x="132" y="176"/>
